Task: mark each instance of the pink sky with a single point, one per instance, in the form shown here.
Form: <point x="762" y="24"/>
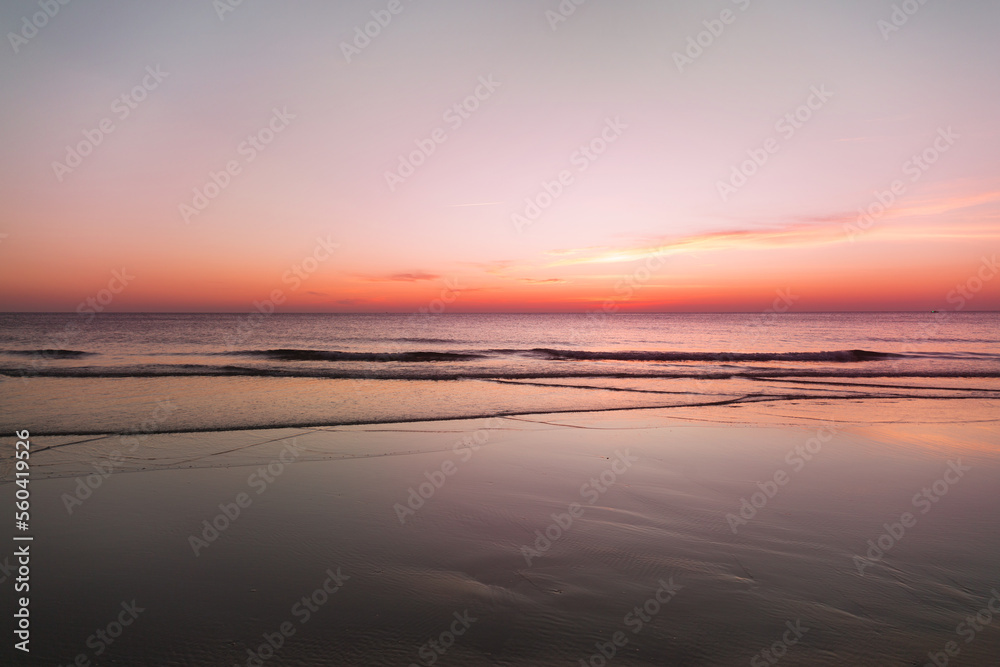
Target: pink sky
<point x="661" y="141"/>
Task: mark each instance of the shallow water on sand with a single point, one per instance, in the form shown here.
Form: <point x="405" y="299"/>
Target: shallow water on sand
<point x="143" y="373"/>
<point x="425" y="521"/>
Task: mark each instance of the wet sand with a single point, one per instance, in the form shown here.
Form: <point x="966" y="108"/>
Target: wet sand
<point x="535" y="540"/>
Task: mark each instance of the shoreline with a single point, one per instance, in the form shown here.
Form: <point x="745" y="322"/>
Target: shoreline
<point x="547" y="531"/>
<point x="986" y="393"/>
<point x="705" y="413"/>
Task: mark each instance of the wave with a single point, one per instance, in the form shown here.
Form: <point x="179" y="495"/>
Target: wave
<point x="369" y="339"/>
<point x="551" y="354"/>
<point x="51" y="353"/>
<point x="842" y="356"/>
<point x="922" y="339"/>
<point x="194" y="370"/>
<point x="323" y="355"/>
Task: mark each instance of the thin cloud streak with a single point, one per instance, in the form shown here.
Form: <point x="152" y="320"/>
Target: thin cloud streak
<point x="830" y="230"/>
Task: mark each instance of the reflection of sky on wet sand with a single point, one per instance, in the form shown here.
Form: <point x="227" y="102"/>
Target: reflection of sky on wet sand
<point x="666" y="516"/>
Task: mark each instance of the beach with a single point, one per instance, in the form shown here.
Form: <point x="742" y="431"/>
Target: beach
<point x="508" y="334"/>
<point x="687" y="536"/>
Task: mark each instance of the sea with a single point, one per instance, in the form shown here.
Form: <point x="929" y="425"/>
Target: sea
<point x="815" y="487"/>
<point x="79" y="374"/>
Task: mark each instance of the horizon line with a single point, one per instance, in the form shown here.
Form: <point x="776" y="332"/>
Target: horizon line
<point x="484" y="312"/>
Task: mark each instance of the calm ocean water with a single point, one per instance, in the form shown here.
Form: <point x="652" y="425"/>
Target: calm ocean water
<point x="871" y="408"/>
<point x="70" y="374"/>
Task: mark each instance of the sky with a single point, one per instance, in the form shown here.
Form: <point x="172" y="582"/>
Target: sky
<point x="504" y="155"/>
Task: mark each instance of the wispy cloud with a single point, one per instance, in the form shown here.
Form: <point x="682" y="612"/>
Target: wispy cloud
<point x="802" y="231"/>
<point x="495" y="267"/>
<point x="790" y="235"/>
<point x="570" y="251"/>
<point x="411" y="277"/>
<point x="944" y="205"/>
<point x="860" y="139"/>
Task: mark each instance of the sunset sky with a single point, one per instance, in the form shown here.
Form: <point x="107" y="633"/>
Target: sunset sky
<point x="648" y="218"/>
